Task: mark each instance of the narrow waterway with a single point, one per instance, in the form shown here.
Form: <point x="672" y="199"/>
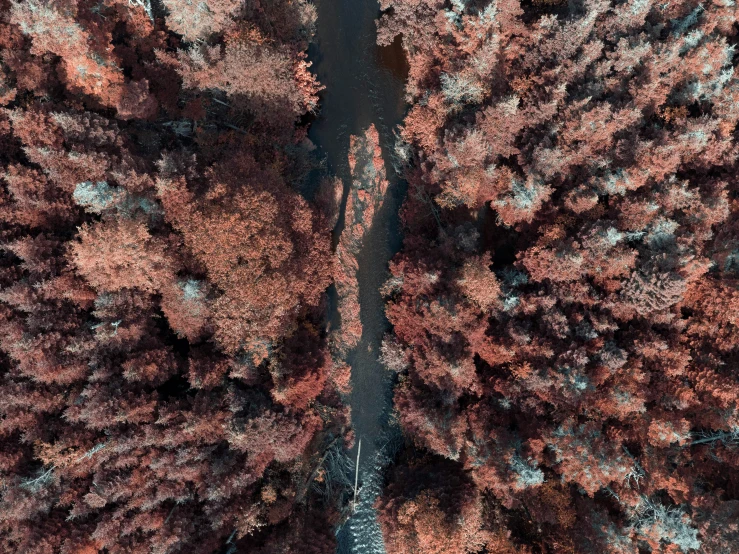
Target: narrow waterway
<point x="364" y="85"/>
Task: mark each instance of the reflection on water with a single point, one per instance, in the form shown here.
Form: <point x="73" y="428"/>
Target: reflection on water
<point x="364" y="85"/>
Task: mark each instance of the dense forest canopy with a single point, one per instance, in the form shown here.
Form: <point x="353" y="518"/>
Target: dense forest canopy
<point x="165" y="381"/>
<point x="176" y="314"/>
<point x="564" y="307"/>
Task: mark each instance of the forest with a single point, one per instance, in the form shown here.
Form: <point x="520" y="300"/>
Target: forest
<point x="182" y="280"/>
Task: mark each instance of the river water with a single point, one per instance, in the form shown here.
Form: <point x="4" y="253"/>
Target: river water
<point x="364" y="85"/>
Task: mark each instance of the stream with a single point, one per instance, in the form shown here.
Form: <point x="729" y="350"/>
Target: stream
<point x="364" y="85"/>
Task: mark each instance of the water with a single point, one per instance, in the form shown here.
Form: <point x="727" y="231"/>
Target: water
<point x="364" y="85"/>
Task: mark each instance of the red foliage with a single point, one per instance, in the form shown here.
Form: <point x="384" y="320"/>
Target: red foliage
<point x="565" y="296"/>
<point x="121" y="254"/>
<point x="441" y="514"/>
<point x="162" y="362"/>
<point x="262" y="247"/>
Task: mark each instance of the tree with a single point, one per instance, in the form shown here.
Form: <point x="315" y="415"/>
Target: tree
<point x="122" y="254"/>
<point x="563" y="300"/>
<point x="160" y="285"/>
<point x="446" y="516"/>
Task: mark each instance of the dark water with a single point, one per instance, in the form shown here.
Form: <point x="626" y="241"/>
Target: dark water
<point x="364" y="85"/>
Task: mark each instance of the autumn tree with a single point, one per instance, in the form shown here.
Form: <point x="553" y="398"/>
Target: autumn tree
<point x="563" y="301"/>
<point x="163" y="375"/>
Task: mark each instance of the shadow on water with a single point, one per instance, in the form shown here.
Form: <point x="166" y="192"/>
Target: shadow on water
<point x="364" y="85"/>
